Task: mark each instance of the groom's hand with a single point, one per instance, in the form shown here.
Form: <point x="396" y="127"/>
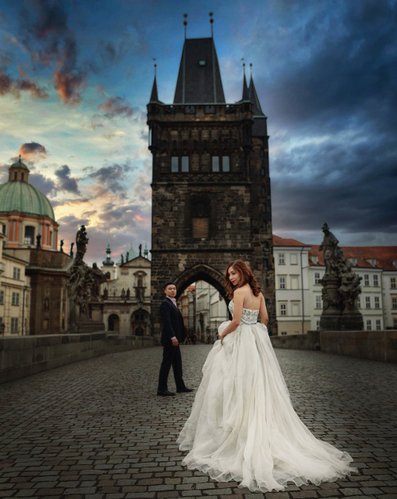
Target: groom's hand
<point x="174" y="341"/>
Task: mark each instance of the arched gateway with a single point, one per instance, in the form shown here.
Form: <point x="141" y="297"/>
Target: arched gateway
<point x="211" y="200"/>
<point x="202" y="272"/>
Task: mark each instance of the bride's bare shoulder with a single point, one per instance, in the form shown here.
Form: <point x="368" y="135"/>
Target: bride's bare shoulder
<point x="242" y="292"/>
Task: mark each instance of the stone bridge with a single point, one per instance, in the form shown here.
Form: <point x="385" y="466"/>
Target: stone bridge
<point x="96" y="429"/>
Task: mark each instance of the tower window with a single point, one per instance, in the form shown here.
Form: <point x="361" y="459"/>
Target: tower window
<point x="200" y="207"/>
<point x="180" y="164"/>
<point x="221" y="164"/>
<point x="200" y="228"/>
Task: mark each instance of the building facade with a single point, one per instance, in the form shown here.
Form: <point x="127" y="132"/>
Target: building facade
<point x="14" y="294"/>
<point x="299" y="306"/>
<point x="125" y="296"/>
<point x="33" y="283"/>
<point x="211" y="200"/>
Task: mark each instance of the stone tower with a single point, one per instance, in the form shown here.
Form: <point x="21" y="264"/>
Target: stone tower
<point x="211" y="201"/>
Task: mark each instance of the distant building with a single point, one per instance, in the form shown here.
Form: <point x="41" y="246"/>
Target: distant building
<point x="300" y="268"/>
<point x="14" y="294"/>
<point x="33" y="283"/>
<point x="25" y="212"/>
<point x="125" y="297"/>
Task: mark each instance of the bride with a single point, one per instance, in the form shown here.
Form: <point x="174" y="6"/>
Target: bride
<point x="242" y="425"/>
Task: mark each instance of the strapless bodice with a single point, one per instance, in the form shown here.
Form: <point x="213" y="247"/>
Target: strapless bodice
<point x="248" y="316"/>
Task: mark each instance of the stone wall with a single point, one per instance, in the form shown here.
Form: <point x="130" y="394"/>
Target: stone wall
<point x="309" y="341"/>
<point x="25" y="355"/>
<point x="373" y="345"/>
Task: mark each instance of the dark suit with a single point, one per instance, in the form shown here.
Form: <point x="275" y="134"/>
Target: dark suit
<point x="171" y="325"/>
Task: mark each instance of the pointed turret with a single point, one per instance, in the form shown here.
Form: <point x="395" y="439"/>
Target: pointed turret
<point x="260" y="127"/>
<point x="154" y="97"/>
<point x="253" y="97"/>
<point x="245" y="95"/>
<point x="108" y="262"/>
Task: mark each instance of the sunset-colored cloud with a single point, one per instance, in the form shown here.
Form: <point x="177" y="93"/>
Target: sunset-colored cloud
<point x="15" y="86"/>
<point x="32" y="151"/>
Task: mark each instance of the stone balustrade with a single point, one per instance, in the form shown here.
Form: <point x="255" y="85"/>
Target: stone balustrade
<point x="25" y="355"/>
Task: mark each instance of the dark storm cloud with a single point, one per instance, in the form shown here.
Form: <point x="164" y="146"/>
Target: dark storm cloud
<point x="65" y="181"/>
<point x="351" y="69"/>
<point x="15" y="86"/>
<point x="332" y="116"/>
<point x="116" y="106"/>
<point x="352" y="194"/>
<point x="111" y="178"/>
<point x="50" y="41"/>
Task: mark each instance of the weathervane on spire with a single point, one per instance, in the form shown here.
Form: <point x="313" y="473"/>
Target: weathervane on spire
<point x="211" y="14"/>
<point x="155" y="67"/>
<point x="185" y="23"/>
<point x="251" y="69"/>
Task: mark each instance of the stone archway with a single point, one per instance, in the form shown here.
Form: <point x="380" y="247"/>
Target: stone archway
<point x="202" y="319"/>
<point x="140" y="322"/>
<point x="202" y="272"/>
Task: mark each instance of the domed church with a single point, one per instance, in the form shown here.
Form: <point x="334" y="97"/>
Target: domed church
<point x="33" y="273"/>
<point x="26" y="215"/>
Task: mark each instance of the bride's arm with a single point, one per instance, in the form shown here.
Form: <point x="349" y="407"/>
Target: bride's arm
<point x="238" y="300"/>
<point x="264" y="316"/>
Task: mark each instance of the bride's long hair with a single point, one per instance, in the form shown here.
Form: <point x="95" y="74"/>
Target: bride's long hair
<point x="247" y="277"/>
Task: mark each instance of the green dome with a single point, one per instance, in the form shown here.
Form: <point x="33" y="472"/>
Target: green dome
<point x="24" y="198"/>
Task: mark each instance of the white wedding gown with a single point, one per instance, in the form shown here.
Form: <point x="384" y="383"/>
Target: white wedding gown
<point x="242" y="425"/>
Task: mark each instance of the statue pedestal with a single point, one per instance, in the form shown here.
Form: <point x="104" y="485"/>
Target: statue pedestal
<point x="351" y="321"/>
<point x="330" y="322"/>
<point x="330" y="317"/>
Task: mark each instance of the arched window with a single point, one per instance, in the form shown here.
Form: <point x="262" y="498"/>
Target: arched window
<point x="114" y="323"/>
<point x="29" y="234"/>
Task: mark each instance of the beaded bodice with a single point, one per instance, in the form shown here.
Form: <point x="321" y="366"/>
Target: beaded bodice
<point x="248" y="316"/>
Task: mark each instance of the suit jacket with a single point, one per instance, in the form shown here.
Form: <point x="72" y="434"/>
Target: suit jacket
<point x="171" y="323"/>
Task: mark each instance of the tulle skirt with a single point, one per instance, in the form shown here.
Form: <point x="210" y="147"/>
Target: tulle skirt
<point x="243" y="427"/>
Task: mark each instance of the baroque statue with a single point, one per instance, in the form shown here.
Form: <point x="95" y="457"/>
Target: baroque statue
<point x="84" y="283"/>
<point x="341" y="288"/>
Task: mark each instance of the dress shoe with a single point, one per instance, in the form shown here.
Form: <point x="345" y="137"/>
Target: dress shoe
<point x="183" y="390"/>
<point x="166" y="394"/>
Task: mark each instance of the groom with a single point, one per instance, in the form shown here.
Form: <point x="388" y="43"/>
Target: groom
<point x="172" y="333"/>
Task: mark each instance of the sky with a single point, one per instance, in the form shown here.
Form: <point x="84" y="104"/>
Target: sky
<point x="76" y="76"/>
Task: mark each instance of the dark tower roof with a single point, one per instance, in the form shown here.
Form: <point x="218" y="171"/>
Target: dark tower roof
<point x="199" y="77"/>
<point x="253" y="97"/>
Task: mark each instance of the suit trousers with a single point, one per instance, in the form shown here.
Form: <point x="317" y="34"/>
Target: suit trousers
<point x="171" y="357"/>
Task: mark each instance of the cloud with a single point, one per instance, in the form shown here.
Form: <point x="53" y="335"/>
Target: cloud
<point x="42" y="183"/>
<point x="51" y="42"/>
<point x="69" y="85"/>
<point x="65" y="181"/>
<point x="18" y="85"/>
<point x="116" y="106"/>
<point x="32" y="151"/>
<point x="111" y="178"/>
<point x="330" y="182"/>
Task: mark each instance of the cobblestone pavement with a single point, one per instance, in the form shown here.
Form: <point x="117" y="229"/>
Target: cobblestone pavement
<point x="96" y="429"/>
